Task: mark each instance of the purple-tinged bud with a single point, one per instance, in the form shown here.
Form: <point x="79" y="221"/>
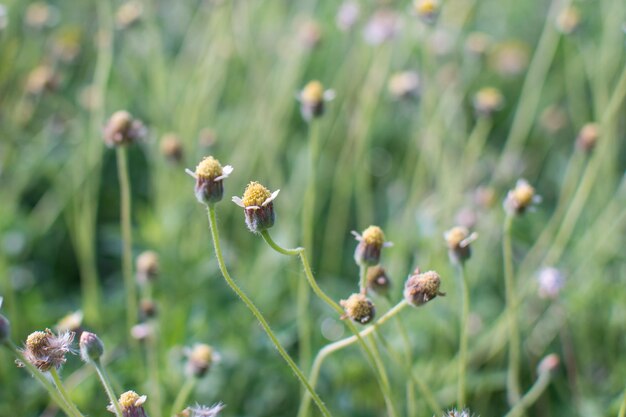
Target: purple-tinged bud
<point x="123" y="129"/>
<point x="371" y="242"/>
<point x="421" y="288"/>
<point x="549" y="364"/>
<point x="377" y="280"/>
<point x="91" y="347"/>
<point x="458" y="240"/>
<point x="209" y="177"/>
<point x="131" y="404"/>
<point x="521" y="198"/>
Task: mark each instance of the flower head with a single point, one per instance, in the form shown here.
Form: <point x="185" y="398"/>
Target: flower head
<point x="91" y="347"/>
<point x="131" y="404"/>
<point x="427" y="10"/>
<point x="71" y="322"/>
<point x="147" y="265"/>
<point x="123" y="129"/>
<point x="202" y="411"/>
<point x="568" y="20"/>
<point x="359" y="308"/>
<point x="381" y="27"/>
<point x="521" y="198"/>
<point x="456" y="413"/>
<point x="487" y="101"/>
<point x="199" y="359"/>
<point x="371" y="241"/>
<point x="377" y="279"/>
<point x="209" y="175"/>
<point x="347" y="15"/>
<point x="458" y="240"/>
<point x="421" y="288"/>
<point x="46" y="349"/>
<point x="404" y="85"/>
<point x="172" y="147"/>
<point x="257" y="202"/>
<point x="312" y="99"/>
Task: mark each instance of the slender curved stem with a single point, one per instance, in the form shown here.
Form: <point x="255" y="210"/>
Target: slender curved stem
<point x="513" y="387"/>
<point x="463" y="337"/>
<point x="127" y="254"/>
<point x="340" y="344"/>
<point x="372" y="355"/>
<point x="257" y="314"/>
<point x="66" y="397"/>
<point x="531" y="396"/>
<point x="54" y="394"/>
<point x="183" y="395"/>
<point x="363" y="278"/>
<point x="104" y="379"/>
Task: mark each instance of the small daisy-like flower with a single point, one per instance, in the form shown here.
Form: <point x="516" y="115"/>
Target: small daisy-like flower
<point x="427" y="10"/>
<point x="551" y="282"/>
<point x="202" y="411"/>
<point x="123" y="129"/>
<point x="371" y="242"/>
<point x="257" y="202"/>
<point x="199" y="359"/>
<point x="421" y="288"/>
<point x="404" y="85"/>
<point x="588" y="137"/>
<point x="91" y="347"/>
<point x="377" y="280"/>
<point x="209" y="175"/>
<point x="521" y="198"/>
<point x="131" y="404"/>
<point x="487" y="101"/>
<point x="358" y="308"/>
<point x="147" y="265"/>
<point x="458" y="240"/>
<point x="46" y="350"/>
<point x="312" y="99"/>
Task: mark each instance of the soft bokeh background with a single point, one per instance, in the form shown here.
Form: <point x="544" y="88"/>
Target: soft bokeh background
<point x="223" y="76"/>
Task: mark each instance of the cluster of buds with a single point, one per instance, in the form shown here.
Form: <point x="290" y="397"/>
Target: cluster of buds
<point x="123" y="129"/>
<point x="312" y="100"/>
<point x="523" y="197"/>
<point x="46" y="350"/>
<point x="257" y="202"/>
<point x="458" y="240"/>
<point x="209" y="175"/>
<point x="421" y="288"/>
<point x="371" y="242"/>
<point x="358" y="308"/>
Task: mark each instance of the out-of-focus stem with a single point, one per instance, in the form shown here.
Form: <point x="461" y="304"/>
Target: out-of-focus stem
<point x="512" y="385"/>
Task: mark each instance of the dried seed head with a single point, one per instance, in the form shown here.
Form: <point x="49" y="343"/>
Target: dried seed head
<point x="404" y="85"/>
<point x="128" y="14"/>
<point x="5" y="329"/>
<point x="172" y="147"/>
<point x="487" y="101"/>
<point x="202" y="411"/>
<point x="258" y="205"/>
<point x="347" y="15"/>
<point x="421" y="288"/>
<point x="46" y="350"/>
<point x="568" y="21"/>
<point x="377" y="280"/>
<point x="359" y="308"/>
<point x="588" y="137"/>
<point x="123" y="129"/>
<point x="209" y="177"/>
<point x="458" y="240"/>
<point x="370" y="244"/>
<point x="147" y="265"/>
<point x="521" y="198"/>
<point x="549" y="364"/>
<point x="91" y="347"/>
<point x="427" y="10"/>
<point x="131" y="404"/>
<point x="199" y="360"/>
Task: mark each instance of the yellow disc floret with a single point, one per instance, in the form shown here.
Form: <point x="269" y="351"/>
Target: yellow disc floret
<point x="129" y="399"/>
<point x="255" y="195"/>
<point x="426" y="7"/>
<point x="455" y="236"/>
<point x="37" y="342"/>
<point x="209" y="168"/>
<point x="374" y="235"/>
<point x="201" y="353"/>
<point x="313" y="92"/>
<point x="523" y="194"/>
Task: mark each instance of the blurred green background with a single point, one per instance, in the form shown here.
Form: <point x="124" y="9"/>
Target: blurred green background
<point x="222" y="77"/>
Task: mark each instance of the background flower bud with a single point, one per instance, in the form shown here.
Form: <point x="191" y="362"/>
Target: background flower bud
<point x="359" y="308"/>
<point x="421" y="288"/>
<point x="91" y="347"/>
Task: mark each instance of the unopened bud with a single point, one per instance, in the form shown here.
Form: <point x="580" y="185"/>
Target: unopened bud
<point x="370" y="244"/>
<point x="549" y="364"/>
<point x="421" y="288"/>
<point x="588" y="137"/>
<point x="199" y="360"/>
<point x="91" y="347"/>
<point x="123" y="129"/>
<point x="377" y="280"/>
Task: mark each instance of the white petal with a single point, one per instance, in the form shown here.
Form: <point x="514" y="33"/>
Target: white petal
<point x="227" y="170"/>
<point x="356" y="235"/>
<point x="237" y="201"/>
<point x="387" y="244"/>
<point x="270" y="198"/>
<point x="190" y="172"/>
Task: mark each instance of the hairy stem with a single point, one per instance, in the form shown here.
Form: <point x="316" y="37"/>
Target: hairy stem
<point x="531" y="396"/>
<point x="106" y="384"/>
<point x="463" y="337"/>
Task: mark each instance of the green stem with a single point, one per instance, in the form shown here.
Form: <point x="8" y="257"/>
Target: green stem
<point x="372" y="356"/>
<point x="363" y="278"/>
<point x="513" y="387"/>
<point x="257" y="314"/>
<point x="531" y="396"/>
<point x="463" y="337"/>
<point x="127" y="255"/>
<point x="66" y="397"/>
<point x="340" y="344"/>
<point x="54" y="394"/>
<point x="153" y="373"/>
<point x="104" y="379"/>
<point x="622" y="408"/>
<point x="183" y="395"/>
